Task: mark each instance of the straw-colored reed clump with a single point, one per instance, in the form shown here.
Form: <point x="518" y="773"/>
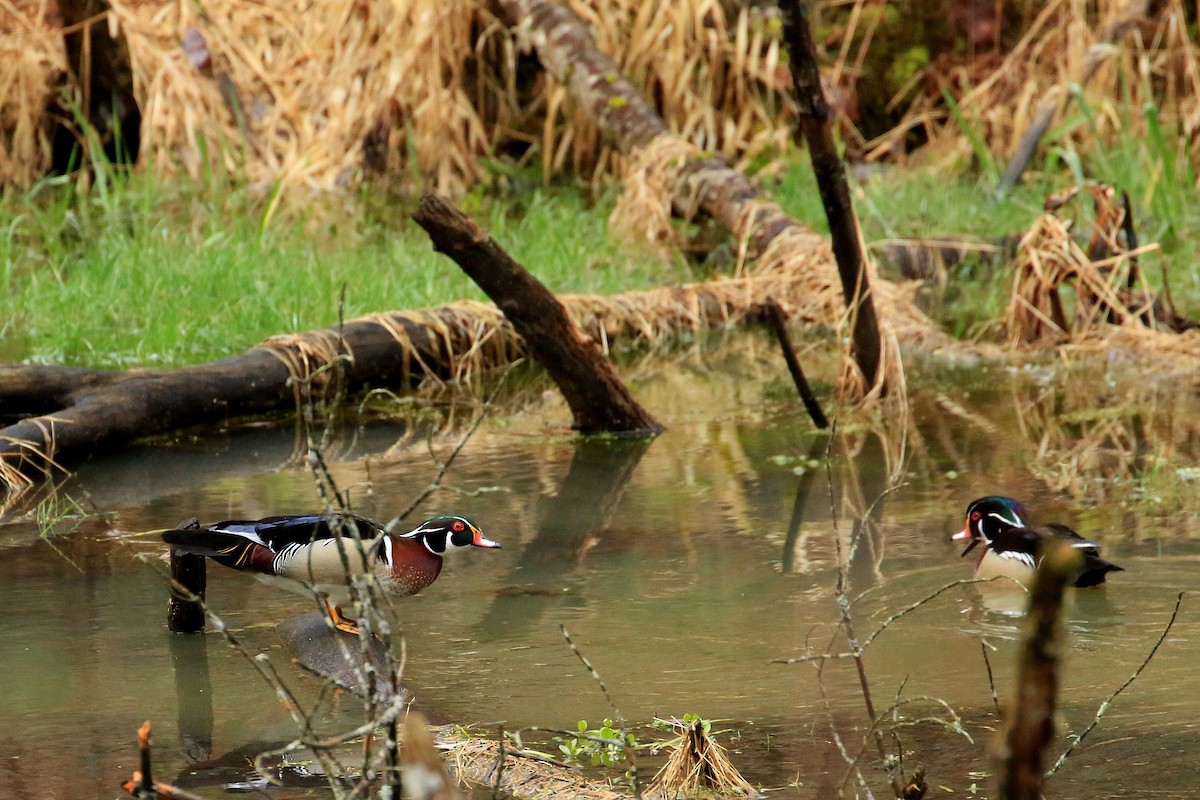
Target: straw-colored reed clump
<point x="311" y="94"/>
<point x="1106" y="49"/>
<point x="484" y="762"/>
<point x="699" y="766"/>
<point x="31" y="62"/>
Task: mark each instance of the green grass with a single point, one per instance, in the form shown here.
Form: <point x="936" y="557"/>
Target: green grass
<point x="145" y="274"/>
<point x="138" y="273"/>
<point x="916" y="203"/>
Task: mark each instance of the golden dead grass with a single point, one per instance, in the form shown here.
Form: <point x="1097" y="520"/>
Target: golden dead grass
<point x="31" y="62"/>
<point x="477" y="759"/>
<point x="311" y="95"/>
<point x="699" y="766"/>
<point x="1108" y="47"/>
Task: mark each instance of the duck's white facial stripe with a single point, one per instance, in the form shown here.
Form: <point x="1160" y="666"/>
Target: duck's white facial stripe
<point x="1014" y="522"/>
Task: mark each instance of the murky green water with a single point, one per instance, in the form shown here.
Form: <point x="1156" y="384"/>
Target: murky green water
<point x="681" y="569"/>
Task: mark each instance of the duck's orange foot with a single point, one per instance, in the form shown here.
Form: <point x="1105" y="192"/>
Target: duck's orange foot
<point x="340" y="620"/>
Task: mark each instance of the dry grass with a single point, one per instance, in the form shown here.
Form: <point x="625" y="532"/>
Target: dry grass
<point x="477" y="759"/>
<point x="31" y="62"/>
<point x="1144" y="61"/>
<point x="463" y="338"/>
<point x="1090" y="299"/>
<point x="311" y="95"/>
<point x="699" y="766"/>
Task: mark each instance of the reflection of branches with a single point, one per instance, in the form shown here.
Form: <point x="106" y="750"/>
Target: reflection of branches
<point x="892" y="762"/>
<point x="853" y="653"/>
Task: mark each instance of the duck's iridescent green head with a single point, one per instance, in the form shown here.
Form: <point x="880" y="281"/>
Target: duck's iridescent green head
<point x="988" y="517"/>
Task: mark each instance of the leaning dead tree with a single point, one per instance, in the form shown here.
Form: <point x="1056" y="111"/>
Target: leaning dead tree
<point x="599" y="401"/>
<point x="816" y="129"/>
<point x="697" y="183"/>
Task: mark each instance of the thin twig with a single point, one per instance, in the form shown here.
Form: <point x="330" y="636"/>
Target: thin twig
<point x="983" y="648"/>
<point x="618" y="719"/>
<point x="883" y="626"/>
<point x="1104" y="706"/>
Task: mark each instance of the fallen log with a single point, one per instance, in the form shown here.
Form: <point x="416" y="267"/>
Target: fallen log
<point x="81" y="412"/>
<point x="598" y="399"/>
<point x="701" y="183"/>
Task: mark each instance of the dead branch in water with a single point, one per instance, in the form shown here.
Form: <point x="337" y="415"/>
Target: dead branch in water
<point x="701" y="183"/>
<point x="142" y="785"/>
<point x="82" y="412"/>
<point x="811" y="404"/>
<point x="599" y="401"/>
<point x="815" y="127"/>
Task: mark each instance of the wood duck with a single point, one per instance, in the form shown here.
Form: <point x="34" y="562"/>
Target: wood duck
<point x="302" y="553"/>
<point x="1010" y="546"/>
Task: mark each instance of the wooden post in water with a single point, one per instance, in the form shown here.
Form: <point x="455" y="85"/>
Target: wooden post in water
<point x="815" y="126"/>
<point x="189" y="578"/>
<point x="599" y="401"/>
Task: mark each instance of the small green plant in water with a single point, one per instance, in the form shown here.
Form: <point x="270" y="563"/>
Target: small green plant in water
<point x="591" y="749"/>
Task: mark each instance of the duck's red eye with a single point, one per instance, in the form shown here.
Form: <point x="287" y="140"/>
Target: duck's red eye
<point x="975" y="516"/>
<point x="457" y="526"/>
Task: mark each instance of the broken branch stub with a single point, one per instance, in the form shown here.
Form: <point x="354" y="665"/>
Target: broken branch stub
<point x="599" y="401"/>
<point x="1029" y="729"/>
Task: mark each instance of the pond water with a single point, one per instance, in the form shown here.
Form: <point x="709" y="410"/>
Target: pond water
<point x="683" y="569"/>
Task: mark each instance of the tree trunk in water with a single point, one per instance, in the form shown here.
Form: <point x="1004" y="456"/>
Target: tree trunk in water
<point x="599" y="401"/>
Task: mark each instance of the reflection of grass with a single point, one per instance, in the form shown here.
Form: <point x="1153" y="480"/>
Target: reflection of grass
<point x="58" y="515"/>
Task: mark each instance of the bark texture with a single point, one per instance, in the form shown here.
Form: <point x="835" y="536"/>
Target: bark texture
<point x="66" y="414"/>
<point x="598" y="399"/>
<point x="567" y="50"/>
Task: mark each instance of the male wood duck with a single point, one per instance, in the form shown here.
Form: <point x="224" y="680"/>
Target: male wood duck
<point x="302" y="552"/>
<point x="1010" y="546"/>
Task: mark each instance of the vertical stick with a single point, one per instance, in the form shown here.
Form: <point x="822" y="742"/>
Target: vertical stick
<point x="146" y="789"/>
<point x="815" y="127"/>
<point x="775" y="315"/>
<point x="189" y="578"/>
